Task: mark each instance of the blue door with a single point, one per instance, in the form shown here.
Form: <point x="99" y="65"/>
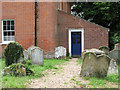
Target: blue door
<point x="76" y="43"/>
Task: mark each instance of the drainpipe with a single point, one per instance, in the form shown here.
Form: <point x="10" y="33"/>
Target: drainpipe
<point x="35" y="22"/>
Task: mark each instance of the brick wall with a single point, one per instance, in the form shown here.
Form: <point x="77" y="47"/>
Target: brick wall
<point x="23" y="14"/>
<point x="65" y="7"/>
<point x="46" y="25"/>
<point x="52" y="25"/>
<point x="94" y="35"/>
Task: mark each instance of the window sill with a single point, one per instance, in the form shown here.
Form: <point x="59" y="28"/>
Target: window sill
<point x="5" y="43"/>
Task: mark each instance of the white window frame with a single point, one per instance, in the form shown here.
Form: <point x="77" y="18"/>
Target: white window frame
<point x="61" y="2"/>
<point x="6" y="42"/>
<point x="69" y="38"/>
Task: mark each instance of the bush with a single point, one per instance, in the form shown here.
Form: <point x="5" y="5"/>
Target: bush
<point x="12" y="52"/>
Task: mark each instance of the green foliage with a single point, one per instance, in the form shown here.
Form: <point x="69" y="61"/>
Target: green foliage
<point x="94" y="81"/>
<point x="80" y="60"/>
<point x="112" y="78"/>
<point x="12" y="52"/>
<point x="116" y="38"/>
<point x="106" y="14"/>
<point x="19" y="82"/>
<point x="19" y="69"/>
<point x="28" y="62"/>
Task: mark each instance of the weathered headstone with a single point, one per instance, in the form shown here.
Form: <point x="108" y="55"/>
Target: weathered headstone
<point x="113" y="67"/>
<point x="37" y="56"/>
<point x="19" y="70"/>
<point x="20" y="60"/>
<point x="25" y="54"/>
<point x="115" y="53"/>
<point x="105" y="49"/>
<point x="117" y="46"/>
<point x="95" y="64"/>
<point x="60" y="52"/>
<point x="29" y="51"/>
<point x="96" y="51"/>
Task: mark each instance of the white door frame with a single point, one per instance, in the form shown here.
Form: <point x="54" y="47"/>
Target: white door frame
<point x="69" y="37"/>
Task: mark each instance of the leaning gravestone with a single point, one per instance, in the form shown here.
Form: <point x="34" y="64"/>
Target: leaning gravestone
<point x="37" y="56"/>
<point x="25" y="54"/>
<point x="95" y="63"/>
<point x="105" y="49"/>
<point x="115" y="53"/>
<point x="60" y="52"/>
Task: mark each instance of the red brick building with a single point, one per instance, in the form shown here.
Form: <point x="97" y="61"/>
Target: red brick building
<point x="55" y="26"/>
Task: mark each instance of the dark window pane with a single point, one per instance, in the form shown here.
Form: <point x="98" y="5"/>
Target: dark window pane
<point x="4" y="22"/>
<point x="5" y="34"/>
<point x="9" y="34"/>
<point x="79" y="33"/>
<point x="12" y="22"/>
<point x="12" y="33"/>
<point x="8" y="22"/>
<point x="12" y="27"/>
<point x="8" y="27"/>
<point x="74" y="40"/>
<point x="4" y="27"/>
<point x="78" y="40"/>
<point x="74" y="33"/>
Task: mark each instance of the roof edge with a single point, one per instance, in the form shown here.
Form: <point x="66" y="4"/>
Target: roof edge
<point x="84" y="20"/>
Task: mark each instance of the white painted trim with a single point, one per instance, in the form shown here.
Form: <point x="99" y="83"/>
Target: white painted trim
<point x="2" y="31"/>
<point x="69" y="37"/>
<point x="6" y="42"/>
<point x="61" y="5"/>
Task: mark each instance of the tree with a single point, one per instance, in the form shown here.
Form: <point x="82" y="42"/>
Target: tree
<point x="106" y="14"/>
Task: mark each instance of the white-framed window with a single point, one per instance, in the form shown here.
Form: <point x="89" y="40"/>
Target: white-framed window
<point x="8" y="31"/>
<point x="61" y="4"/>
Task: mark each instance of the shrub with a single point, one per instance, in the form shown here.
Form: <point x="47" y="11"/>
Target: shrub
<point x="12" y="52"/>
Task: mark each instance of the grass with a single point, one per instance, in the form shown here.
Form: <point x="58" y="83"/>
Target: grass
<point x="18" y="82"/>
<point x="79" y="61"/>
<point x="95" y="82"/>
<point x="99" y="82"/>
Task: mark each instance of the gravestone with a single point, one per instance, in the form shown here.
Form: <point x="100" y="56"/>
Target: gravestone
<point x="94" y="64"/>
<point x="37" y="56"/>
<point x="115" y="53"/>
<point x="96" y="51"/>
<point x="105" y="49"/>
<point x="20" y="60"/>
<point x="113" y="67"/>
<point x="60" y="52"/>
<point x="25" y="54"/>
<point x="29" y="51"/>
<point x="19" y="70"/>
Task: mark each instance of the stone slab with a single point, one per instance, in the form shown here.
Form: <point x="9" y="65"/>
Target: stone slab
<point x="37" y="56"/>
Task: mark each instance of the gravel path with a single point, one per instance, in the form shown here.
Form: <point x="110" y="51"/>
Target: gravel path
<point x="63" y="78"/>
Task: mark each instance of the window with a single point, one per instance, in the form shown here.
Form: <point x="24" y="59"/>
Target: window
<point x="61" y="4"/>
<point x="8" y="30"/>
